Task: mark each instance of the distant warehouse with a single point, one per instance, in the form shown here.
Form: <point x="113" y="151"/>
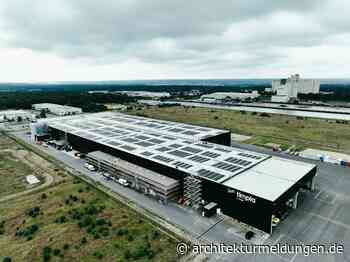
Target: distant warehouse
<point x="223" y="96"/>
<point x="56" y="109"/>
<point x="251" y="187"/>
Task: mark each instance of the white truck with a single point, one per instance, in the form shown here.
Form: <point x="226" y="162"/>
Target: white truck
<point x="89" y="167"/>
<point x="123" y="182"/>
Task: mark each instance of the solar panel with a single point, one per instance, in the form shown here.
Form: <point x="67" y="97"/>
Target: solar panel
<point x="205" y="145"/>
<point x="222" y="150"/>
<point x="226" y="166"/>
<point x="179" y="153"/>
<point x="169" y="138"/>
<point x="156" y="141"/>
<point x="142" y="137"/>
<point x="238" y="161"/>
<point x="176" y="130"/>
<point x="130" y="140"/>
<point x="203" y="129"/>
<point x="191" y="133"/>
<point x="199" y="159"/>
<point x="249" y="156"/>
<point x="146" y="153"/>
<point x="129" y="148"/>
<point x="144" y="144"/>
<point x="210" y="174"/>
<point x="163" y="158"/>
<point x="191" y="149"/>
<point x="163" y="149"/>
<point x="175" y="145"/>
<point x="182" y="165"/>
<point x="210" y="154"/>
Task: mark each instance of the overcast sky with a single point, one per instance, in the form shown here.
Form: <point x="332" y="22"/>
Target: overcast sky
<point x="65" y="40"/>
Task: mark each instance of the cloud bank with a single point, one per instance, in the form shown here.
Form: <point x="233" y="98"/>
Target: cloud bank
<point x="134" y="39"/>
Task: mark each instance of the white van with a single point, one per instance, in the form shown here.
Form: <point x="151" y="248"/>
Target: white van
<point x="123" y="182"/>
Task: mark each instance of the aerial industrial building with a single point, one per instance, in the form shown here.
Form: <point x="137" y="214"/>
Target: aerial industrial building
<point x="145" y="94"/>
<point x="221" y="96"/>
<point x="15" y="115"/>
<point x="288" y="89"/>
<point x="194" y="163"/>
<point x="56" y="109"/>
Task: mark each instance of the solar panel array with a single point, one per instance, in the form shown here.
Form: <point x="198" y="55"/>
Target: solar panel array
<point x="146" y="139"/>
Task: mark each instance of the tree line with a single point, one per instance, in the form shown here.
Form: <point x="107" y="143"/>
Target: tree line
<point x="88" y="102"/>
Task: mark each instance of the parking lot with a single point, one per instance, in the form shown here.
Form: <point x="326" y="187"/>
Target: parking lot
<point x="322" y="217"/>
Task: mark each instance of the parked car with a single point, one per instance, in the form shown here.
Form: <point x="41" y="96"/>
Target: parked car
<point x="123" y="182"/>
<point x="89" y="167"/>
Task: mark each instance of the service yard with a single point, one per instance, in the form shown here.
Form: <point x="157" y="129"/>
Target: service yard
<point x="69" y="220"/>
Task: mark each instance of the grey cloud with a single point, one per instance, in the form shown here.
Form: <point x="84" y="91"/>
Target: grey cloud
<point x="192" y="32"/>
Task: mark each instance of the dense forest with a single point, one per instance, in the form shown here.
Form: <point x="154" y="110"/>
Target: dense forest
<point x="336" y="93"/>
<point x="172" y="88"/>
<point x="88" y="102"/>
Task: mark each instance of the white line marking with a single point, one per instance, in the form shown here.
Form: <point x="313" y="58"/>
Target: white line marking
<point x="316" y="196"/>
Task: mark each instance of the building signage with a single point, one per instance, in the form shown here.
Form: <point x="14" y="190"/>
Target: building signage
<point x="242" y="197"/>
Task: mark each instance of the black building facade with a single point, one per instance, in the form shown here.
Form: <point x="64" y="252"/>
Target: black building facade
<point x="245" y="207"/>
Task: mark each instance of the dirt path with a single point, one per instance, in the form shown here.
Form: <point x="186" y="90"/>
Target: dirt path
<point x="48" y="181"/>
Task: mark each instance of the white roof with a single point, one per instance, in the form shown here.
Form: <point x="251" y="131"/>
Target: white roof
<point x="271" y="178"/>
<point x="221" y="95"/>
<point x="14" y="112"/>
<point x="55" y="106"/>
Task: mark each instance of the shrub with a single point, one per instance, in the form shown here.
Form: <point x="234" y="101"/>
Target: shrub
<point x="127" y="254"/>
<point x="98" y="254"/>
<point x="155" y="235"/>
<point x="104" y="231"/>
<point x="264" y="114"/>
<point x="66" y="246"/>
<point x="56" y="252"/>
<point x="43" y="196"/>
<point x="142" y="250"/>
<point x="91" y="210"/>
<point x="28" y="232"/>
<point x="216" y="117"/>
<point x="33" y="212"/>
<point x="83" y="240"/>
<point x="87" y="221"/>
<point x="100" y="221"/>
<point x="61" y="220"/>
<point x="7" y="259"/>
<point x="122" y="231"/>
<point x="130" y="238"/>
<point x="73" y="198"/>
<point x="46" y="253"/>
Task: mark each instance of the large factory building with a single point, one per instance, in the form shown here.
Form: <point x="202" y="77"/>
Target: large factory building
<point x="200" y="165"/>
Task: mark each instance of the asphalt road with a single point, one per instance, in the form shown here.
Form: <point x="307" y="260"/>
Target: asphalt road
<point x="322" y="216"/>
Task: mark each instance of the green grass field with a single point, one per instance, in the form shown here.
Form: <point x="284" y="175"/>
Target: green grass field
<point x="72" y="221"/>
<point x="281" y="129"/>
<point x="12" y="174"/>
<point x="68" y="227"/>
<point x="14" y="167"/>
